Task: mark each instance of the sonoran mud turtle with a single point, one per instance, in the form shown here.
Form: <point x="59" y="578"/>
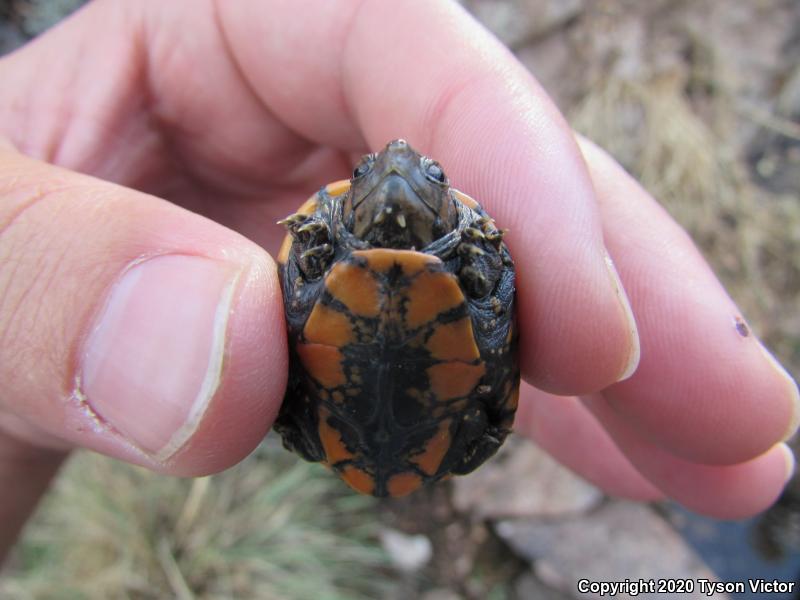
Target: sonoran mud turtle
<point x="399" y="298"/>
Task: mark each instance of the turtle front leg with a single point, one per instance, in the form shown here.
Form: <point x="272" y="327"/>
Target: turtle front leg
<point x="312" y="244"/>
<point x="481" y="259"/>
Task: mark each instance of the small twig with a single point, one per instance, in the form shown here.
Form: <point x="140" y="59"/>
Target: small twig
<point x="770" y="121"/>
<point x="191" y="506"/>
<point x="173" y="572"/>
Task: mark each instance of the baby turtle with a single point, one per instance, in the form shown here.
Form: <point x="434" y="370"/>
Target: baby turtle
<point x="399" y="298"/>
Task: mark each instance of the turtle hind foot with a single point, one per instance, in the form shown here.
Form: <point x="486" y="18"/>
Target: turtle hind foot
<point x="295" y="441"/>
<point x="481" y="450"/>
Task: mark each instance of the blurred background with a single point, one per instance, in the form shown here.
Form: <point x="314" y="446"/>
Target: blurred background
<point x="700" y="101"/>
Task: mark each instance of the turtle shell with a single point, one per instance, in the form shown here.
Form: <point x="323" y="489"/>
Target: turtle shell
<point x="399" y="298"/>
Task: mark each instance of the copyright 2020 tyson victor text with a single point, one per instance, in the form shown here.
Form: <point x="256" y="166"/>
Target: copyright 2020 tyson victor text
<point x="634" y="587"/>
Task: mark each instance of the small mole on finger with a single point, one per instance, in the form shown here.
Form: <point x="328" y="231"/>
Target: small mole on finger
<point x="741" y="326"/>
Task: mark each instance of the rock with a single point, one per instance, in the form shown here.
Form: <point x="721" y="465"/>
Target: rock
<point x="10" y="38"/>
<point x="523" y="481"/>
<point x="528" y="586"/>
<point x="408" y="553"/>
<point x="440" y="594"/>
<point x="518" y="21"/>
<point x="620" y="540"/>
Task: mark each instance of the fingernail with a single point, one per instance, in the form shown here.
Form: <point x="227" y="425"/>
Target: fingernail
<point x="153" y="360"/>
<point x="633" y="332"/>
<point x="788" y="457"/>
<point x="792" y="393"/>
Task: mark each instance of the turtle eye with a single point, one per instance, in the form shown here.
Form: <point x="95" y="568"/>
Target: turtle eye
<point x="434" y="172"/>
<point x="364" y="166"/>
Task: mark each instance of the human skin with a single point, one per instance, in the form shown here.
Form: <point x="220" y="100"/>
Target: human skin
<point x="151" y="146"/>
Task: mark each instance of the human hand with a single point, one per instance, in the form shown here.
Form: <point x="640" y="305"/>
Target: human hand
<point x="142" y="330"/>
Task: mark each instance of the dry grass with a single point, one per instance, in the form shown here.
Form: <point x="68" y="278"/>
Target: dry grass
<point x="273" y="527"/>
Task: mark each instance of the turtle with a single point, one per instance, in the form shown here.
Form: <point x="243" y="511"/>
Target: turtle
<point x="399" y="297"/>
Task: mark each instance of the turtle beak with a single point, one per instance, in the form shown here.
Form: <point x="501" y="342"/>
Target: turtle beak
<point x="388" y="217"/>
<point x="396" y="196"/>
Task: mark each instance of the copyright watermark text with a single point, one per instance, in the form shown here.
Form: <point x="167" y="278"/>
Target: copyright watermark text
<point x="634" y="587"/>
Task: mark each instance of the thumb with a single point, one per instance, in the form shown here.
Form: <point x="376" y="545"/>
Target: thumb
<point x="131" y="326"/>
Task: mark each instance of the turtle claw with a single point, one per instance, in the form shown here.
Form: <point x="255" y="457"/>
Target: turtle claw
<point x="473" y="234"/>
<point x="317" y="251"/>
<point x="470" y="249"/>
<point x="314" y="261"/>
<point x="311" y="227"/>
<point x="292" y="221"/>
<point x="496" y="237"/>
<point x="312" y="238"/>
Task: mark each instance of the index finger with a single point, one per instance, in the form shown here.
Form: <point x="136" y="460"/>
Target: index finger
<point x="356" y="74"/>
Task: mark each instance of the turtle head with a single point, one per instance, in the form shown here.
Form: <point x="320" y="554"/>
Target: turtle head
<point x="399" y="198"/>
